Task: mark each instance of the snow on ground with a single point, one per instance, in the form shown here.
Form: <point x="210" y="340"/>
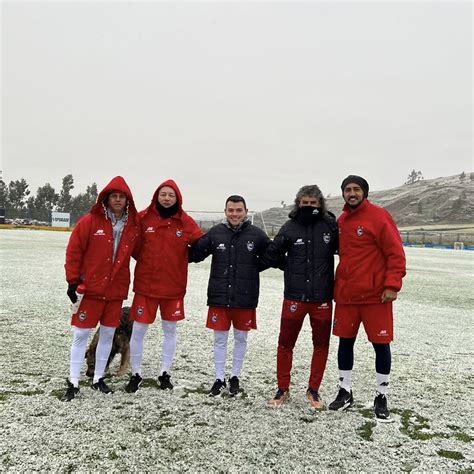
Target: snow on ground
<point x="184" y="430"/>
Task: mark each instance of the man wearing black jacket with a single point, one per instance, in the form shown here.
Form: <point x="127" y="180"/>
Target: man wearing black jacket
<point x="232" y="294"/>
<point x="306" y="244"/>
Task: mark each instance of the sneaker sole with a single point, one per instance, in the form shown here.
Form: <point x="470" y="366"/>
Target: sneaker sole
<point x="384" y="420"/>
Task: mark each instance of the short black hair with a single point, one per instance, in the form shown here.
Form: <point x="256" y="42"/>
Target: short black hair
<point x="236" y="198"/>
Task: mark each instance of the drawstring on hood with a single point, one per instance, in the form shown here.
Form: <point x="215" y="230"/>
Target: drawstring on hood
<point x="116" y="184"/>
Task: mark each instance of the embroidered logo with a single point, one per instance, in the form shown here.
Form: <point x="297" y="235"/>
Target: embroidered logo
<point x="150" y="229"/>
<point x="299" y="242"/>
<point x="214" y="318"/>
<point x="248" y="323"/>
<point x="177" y="313"/>
<point x="360" y="231"/>
<point x="99" y="232"/>
<point x="82" y="316"/>
<point x="221" y="246"/>
<point x="293" y="307"/>
<point x="326" y="238"/>
<point x="323" y="306"/>
<point x="250" y="246"/>
<point x="179" y="233"/>
<point x="383" y="333"/>
<point x="140" y="311"/>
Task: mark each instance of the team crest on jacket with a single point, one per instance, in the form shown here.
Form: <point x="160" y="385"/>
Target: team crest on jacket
<point x="140" y="311"/>
<point x="179" y="233"/>
<point x="99" y="232"/>
<point x="326" y="238"/>
<point x="293" y="307"/>
<point x="82" y="316"/>
<point x="221" y="246"/>
<point x="150" y="229"/>
<point x="360" y="231"/>
<point x="250" y="246"/>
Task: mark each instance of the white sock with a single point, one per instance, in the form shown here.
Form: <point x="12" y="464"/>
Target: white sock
<point x="136" y="346"/>
<point x="382" y="383"/>
<point x="220" y="353"/>
<point x="78" y="353"/>
<point x="345" y="379"/>
<point x="102" y="352"/>
<point x="240" y="348"/>
<point x="169" y="345"/>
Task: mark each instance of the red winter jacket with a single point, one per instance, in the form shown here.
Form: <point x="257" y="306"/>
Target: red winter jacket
<point x="90" y="249"/>
<point x="162" y="259"/>
<point x="371" y="255"/>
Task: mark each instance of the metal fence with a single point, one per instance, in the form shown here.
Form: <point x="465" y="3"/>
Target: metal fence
<point x="433" y="238"/>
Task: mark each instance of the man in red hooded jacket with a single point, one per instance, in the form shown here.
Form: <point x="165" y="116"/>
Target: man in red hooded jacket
<point x="368" y="278"/>
<point x="160" y="277"/>
<point x="98" y="259"/>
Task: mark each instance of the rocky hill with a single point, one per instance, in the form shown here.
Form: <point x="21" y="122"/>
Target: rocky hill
<point x="446" y="200"/>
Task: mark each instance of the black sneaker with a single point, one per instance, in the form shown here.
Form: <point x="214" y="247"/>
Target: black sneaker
<point x="217" y="388"/>
<point x="234" y="387"/>
<point x="343" y="401"/>
<point x="133" y="384"/>
<point x="381" y="409"/>
<point x="71" y="392"/>
<point x="101" y="386"/>
<point x="165" y="382"/>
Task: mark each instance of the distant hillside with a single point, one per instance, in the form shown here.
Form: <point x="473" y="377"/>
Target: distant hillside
<point x="447" y="200"/>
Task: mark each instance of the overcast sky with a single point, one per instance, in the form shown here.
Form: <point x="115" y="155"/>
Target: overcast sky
<point x="227" y="98"/>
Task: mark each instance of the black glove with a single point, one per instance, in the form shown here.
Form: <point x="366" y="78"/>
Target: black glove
<point x="71" y="292"/>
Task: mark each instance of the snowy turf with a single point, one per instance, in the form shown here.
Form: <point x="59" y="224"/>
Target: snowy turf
<point x="184" y="430"/>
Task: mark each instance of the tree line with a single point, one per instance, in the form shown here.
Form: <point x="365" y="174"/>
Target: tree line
<point x="19" y="203"/>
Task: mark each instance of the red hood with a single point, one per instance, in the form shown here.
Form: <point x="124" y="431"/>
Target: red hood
<point x="171" y="184"/>
<point x="116" y="184"/>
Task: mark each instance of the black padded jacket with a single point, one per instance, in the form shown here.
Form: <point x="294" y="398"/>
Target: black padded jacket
<point x="306" y="254"/>
<point x="234" y="280"/>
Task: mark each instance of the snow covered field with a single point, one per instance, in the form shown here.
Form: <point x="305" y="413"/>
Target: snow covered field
<point x="184" y="430"/>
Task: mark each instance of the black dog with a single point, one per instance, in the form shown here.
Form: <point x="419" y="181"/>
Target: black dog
<point x="120" y="345"/>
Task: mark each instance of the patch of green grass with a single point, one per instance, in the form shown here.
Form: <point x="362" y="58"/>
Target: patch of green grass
<point x="366" y="430"/>
<point x="366" y="413"/>
<point x="113" y="455"/>
<point x="29" y="393"/>
<point x="150" y="383"/>
<point x="456" y="455"/>
<point x="201" y="423"/>
<point x="408" y="467"/>
<point x="201" y="390"/>
<point x="58" y="393"/>
<point x="464" y="437"/>
<point x="414" y="424"/>
<point x="4" y="396"/>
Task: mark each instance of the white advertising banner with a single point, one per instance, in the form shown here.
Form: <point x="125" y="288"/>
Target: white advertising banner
<point x="60" y="219"/>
